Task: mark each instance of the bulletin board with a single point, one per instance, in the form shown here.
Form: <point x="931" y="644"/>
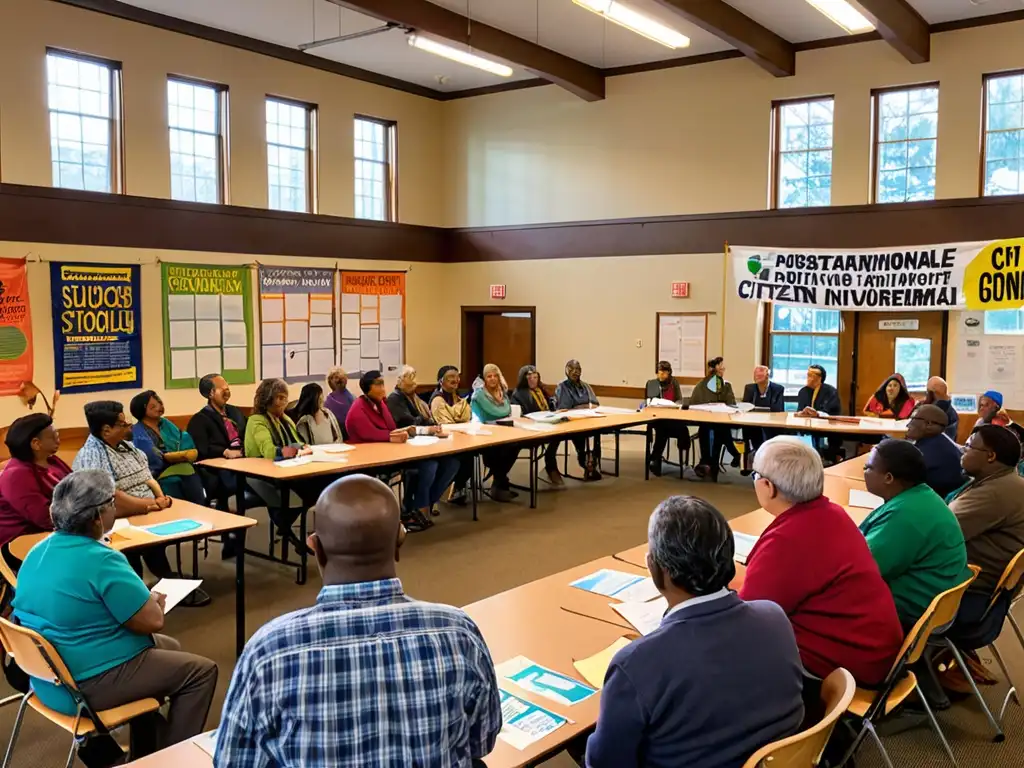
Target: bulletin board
<point x="987" y="361"/>
<point x="681" y="338"/>
<point x="298" y="335"/>
<point x="372" y="321"/>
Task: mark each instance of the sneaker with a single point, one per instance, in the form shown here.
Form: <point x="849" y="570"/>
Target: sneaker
<point x="555" y="478"/>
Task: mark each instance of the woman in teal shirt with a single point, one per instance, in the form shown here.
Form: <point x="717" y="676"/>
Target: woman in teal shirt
<point x="84" y="598"/>
<point x="490" y="403"/>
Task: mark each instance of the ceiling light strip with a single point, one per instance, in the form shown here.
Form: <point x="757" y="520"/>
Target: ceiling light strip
<point x="843" y="14"/>
<point x="637" y="22"/>
<point x="438" y="48"/>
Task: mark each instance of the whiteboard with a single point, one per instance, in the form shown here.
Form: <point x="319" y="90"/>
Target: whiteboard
<point x="682" y="341"/>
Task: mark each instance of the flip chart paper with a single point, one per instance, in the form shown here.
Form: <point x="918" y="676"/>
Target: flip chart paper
<point x="208" y="332"/>
<point x="296" y="306"/>
<point x="208" y="306"/>
<point x="350" y="302"/>
<point x="350" y="326"/>
<point x="321" y="338"/>
<point x="296" y="362"/>
<point x="272" y="311"/>
<point x="232" y="307"/>
<point x="183" y="333"/>
<point x="390" y="308"/>
<point x="545" y="682"/>
<point x="524" y="723"/>
<point x="594" y="668"/>
<point x="234" y="334"/>
<point x="181" y="307"/>
<point x="320" y="361"/>
<point x="368" y="342"/>
<point x="235" y="359"/>
<point x="350" y="357"/>
<point x="646" y="617"/>
<point x="368" y="315"/>
<point x="273" y="362"/>
<point x="368" y="300"/>
<point x="208" y="360"/>
<point x="390" y="330"/>
<point x="183" y="364"/>
<point x="296" y="332"/>
<point x="390" y="355"/>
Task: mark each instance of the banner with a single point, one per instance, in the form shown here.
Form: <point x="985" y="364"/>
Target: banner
<point x="15" y="327"/>
<point x="97" y="327"/>
<point x="372" y="321"/>
<point x="207" y="324"/>
<point x="298" y="336"/>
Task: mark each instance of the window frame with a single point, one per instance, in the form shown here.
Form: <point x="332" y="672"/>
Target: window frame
<point x="390" y="165"/>
<point x="116" y="120"/>
<point x="312" y="150"/>
<point x="876" y="142"/>
<point x="223" y="163"/>
<point x="770" y="332"/>
<point x="983" y="157"/>
<point x="776" y="145"/>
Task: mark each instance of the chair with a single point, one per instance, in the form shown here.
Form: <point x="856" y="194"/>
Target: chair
<point x="870" y="705"/>
<point x="803" y="750"/>
<point x="984" y="633"/>
<point x="39" y="659"/>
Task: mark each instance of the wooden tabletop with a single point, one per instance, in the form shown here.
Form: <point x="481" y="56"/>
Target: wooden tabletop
<point x="127" y="539"/>
<point x="184" y="754"/>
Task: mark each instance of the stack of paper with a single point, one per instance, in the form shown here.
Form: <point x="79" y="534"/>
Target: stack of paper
<point x="743" y="543"/>
<point x="660" y="402"/>
<point x="584" y="413"/>
<point x="546" y="417"/>
<point x="628" y="587"/>
<point x="865" y="500"/>
<point x="422" y="441"/>
<point x="713" y="408"/>
<point x="298" y="461"/>
<point x="610" y="409"/>
<point x="646" y="617"/>
<point x="594" y="668"/>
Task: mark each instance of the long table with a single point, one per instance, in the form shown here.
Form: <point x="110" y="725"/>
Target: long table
<point x="129" y="539"/>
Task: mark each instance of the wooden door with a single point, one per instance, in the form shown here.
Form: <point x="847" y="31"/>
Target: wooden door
<point x="910" y="343"/>
<point x="508" y="342"/>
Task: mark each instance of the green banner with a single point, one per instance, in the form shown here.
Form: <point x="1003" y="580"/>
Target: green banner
<point x="207" y="324"/>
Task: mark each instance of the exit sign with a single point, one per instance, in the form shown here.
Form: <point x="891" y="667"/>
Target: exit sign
<point x="680" y="290"/>
<point x="497" y="291"/>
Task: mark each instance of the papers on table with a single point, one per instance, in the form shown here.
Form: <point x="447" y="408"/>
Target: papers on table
<point x="744" y="407"/>
<point x="546" y="417"/>
<point x="595" y="667"/>
<point x="628" y="587"/>
<point x="545" y="682"/>
<point x="175" y="590"/>
<point x="121" y="522"/>
<point x="661" y="402"/>
<point x="524" y="723"/>
<point x="298" y="461"/>
<point x="206" y="742"/>
<point x="468" y="427"/>
<point x="176" y="527"/>
<point x="536" y="426"/>
<point x="743" y="543"/>
<point x="421" y="441"/>
<point x="713" y="408"/>
<point x="584" y="413"/>
<point x="607" y="410"/>
<point x="864" y="500"/>
<point x="646" y="617"/>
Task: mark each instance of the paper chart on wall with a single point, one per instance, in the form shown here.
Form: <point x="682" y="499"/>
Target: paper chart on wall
<point x="373" y="321"/>
<point x="299" y="331"/>
<point x="682" y="341"/>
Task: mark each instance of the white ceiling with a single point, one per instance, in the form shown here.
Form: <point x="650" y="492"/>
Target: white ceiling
<point x="560" y="25"/>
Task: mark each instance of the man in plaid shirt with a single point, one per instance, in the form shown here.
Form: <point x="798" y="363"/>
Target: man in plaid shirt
<point x="368" y="676"/>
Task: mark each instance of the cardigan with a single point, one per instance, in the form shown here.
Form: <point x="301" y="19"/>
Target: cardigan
<point x="456" y="412"/>
<point x="774" y="397"/>
<point x="486" y="410"/>
<point x="840" y="607"/>
<point x="369" y="422"/>
<point x="209" y="433"/>
<point x="826" y="399"/>
<point x="265" y="436"/>
<point x="26" y="491"/>
<point x="713" y="684"/>
<point x="407" y="412"/>
<point x="702" y="393"/>
<point x="569" y="394"/>
<point x="528" y="402"/>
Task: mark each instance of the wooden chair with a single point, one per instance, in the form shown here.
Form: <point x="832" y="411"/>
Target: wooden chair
<point x="871" y="706"/>
<point x="803" y="750"/>
<point x="39" y="659"/>
<point x="10" y="582"/>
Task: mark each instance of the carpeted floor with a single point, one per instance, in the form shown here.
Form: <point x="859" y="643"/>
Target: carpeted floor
<point x="459" y="561"/>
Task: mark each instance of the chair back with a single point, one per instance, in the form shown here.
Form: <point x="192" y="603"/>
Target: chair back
<point x="1009" y="581"/>
<point x="9" y="577"/>
<point x="35" y="655"/>
<point x="940" y="613"/>
<point x="803" y="750"/>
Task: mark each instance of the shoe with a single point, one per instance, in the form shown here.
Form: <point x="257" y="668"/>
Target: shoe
<point x="502" y="495"/>
<point x="595" y="475"/>
<point x="434" y="511"/>
<point x="459" y="497"/>
<point x="197" y="599"/>
<point x="735" y="461"/>
<point x="555" y="478"/>
<point x="415" y="522"/>
<point x="655" y="467"/>
<point x="746" y="472"/>
<point x="701" y="470"/>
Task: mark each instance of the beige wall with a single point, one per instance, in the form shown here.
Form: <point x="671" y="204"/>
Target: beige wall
<point x="149" y="55"/>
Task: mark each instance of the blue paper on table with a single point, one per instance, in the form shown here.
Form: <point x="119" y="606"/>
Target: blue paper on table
<point x="523" y="723"/>
<point x="543" y="681"/>
<point x="607" y="582"/>
<point x="174" y="527"/>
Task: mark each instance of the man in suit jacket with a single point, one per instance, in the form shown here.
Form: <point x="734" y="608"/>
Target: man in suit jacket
<point x="766" y="394"/>
<point x="817" y="396"/>
<point x="926" y="429"/>
<point x="718" y="680"/>
<point x="218" y="431"/>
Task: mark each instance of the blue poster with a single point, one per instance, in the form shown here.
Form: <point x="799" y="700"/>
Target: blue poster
<point x="97" y="327"/>
<point x="523" y="722"/>
<point x="543" y="681"/>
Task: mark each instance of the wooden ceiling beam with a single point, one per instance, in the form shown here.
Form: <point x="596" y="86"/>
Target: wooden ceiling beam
<point x="901" y="26"/>
<point x="767" y="49"/>
<point x="585" y="81"/>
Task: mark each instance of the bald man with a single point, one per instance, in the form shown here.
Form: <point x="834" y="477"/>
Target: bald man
<point x="367" y="677"/>
<point x="926" y="428"/>
<point x="938" y="394"/>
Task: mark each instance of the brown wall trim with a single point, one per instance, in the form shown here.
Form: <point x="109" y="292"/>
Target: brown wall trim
<point x="680" y="61"/>
<point x="977" y="21"/>
<point x="47" y="215"/>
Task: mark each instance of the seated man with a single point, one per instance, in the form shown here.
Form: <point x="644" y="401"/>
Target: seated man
<point x="664" y="386"/>
<point x="816" y="398"/>
<point x="573" y="393"/>
<point x="938" y="394"/>
<point x="927" y="430"/>
<point x="990" y="411"/>
<point x="913" y="536"/>
<point x="83" y="597"/>
<point x="368" y="677"/>
<point x="764" y="394"/>
<point x="720" y="677"/>
<point x="840" y="607"/>
<point x="217" y="430"/>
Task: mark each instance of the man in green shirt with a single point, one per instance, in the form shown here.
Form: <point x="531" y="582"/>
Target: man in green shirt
<point x="914" y="537"/>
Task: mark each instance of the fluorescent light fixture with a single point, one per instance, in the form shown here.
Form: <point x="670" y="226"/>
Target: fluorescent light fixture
<point x="626" y="17"/>
<point x="843" y="14"/>
<point x="457" y="54"/>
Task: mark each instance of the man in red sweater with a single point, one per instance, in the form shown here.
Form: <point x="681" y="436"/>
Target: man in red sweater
<point x="813" y="561"/>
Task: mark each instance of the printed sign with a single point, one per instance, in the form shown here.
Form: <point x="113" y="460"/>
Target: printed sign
<point x="15" y="327"/>
<point x="372" y="321"/>
<point x="899" y="325"/>
<point x="297" y="326"/>
<point x="97" y="327"/>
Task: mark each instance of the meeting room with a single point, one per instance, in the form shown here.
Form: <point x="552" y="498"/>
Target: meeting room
<point x="490" y="384"/>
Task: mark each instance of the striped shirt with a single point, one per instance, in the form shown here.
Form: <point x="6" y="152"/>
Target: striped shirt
<point x="366" y="678"/>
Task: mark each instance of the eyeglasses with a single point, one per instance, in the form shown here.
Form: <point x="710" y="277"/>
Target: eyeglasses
<point x="972" y="447"/>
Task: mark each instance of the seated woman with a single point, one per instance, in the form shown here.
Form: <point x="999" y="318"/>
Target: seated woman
<point x="447" y="407"/>
<point x="170" y="451"/>
<point x="217" y="431"/>
<point x="713" y="388"/>
<point x="84" y="598"/>
<point x="315" y="424"/>
<point x="490" y="403"/>
<point x="892" y="400"/>
<point x="340" y="399"/>
<point x="27" y="482"/>
<point x="664" y="386"/>
<point x="136" y="492"/>
<point x="529" y="396"/>
<point x="575" y="393"/>
<point x="370" y="421"/>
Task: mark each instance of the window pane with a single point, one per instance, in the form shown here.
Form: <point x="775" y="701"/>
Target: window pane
<point x="913" y="360"/>
<point x="372" y="167"/>
<point x="1004" y="321"/>
<point x="288" y="156"/>
<point x="1004" y="137"/>
<point x="906" y="145"/>
<point x="804" y="154"/>
<point x="195" y="137"/>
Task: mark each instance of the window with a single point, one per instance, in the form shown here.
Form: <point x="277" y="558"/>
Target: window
<point x="1004" y="321"/>
<point x="803" y="153"/>
<point x="801" y="337"/>
<point x="374" y="155"/>
<point x="195" y="119"/>
<point x="84" y="102"/>
<point x="906" y="136"/>
<point x="914" y="361"/>
<point x="1003" y="151"/>
<point x="291" y="137"/>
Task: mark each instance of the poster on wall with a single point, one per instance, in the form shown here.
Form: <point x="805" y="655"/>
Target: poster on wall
<point x="15" y="327"/>
<point x="298" y="336"/>
<point x="207" y="324"/>
<point x="372" y="321"/>
<point x="97" y="327"/>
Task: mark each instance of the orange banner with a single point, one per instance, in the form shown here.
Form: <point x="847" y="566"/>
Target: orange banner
<point x="373" y="283"/>
<point x="15" y="327"/>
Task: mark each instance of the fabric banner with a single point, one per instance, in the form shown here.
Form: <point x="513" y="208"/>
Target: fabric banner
<point x="97" y="327"/>
<point x="298" y="331"/>
<point x="207" y="324"/>
<point x="372" y="321"/>
<point x="15" y="327"/>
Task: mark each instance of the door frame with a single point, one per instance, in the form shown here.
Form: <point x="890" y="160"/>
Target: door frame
<point x="477" y="312"/>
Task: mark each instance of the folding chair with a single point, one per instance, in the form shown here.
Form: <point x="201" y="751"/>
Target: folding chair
<point x="803" y="750"/>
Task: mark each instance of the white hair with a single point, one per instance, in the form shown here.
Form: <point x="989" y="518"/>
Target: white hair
<point x="407" y="372"/>
<point x="793" y="466"/>
<point x="79" y="498"/>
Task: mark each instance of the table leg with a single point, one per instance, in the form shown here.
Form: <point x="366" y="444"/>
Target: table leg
<point x="474" y="484"/>
<point x="618" y="434"/>
<point x="647" y="453"/>
<point x="240" y="592"/>
<point x="533" y="476"/>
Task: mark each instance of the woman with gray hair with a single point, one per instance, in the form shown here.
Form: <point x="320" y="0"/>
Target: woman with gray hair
<point x="85" y="599"/>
